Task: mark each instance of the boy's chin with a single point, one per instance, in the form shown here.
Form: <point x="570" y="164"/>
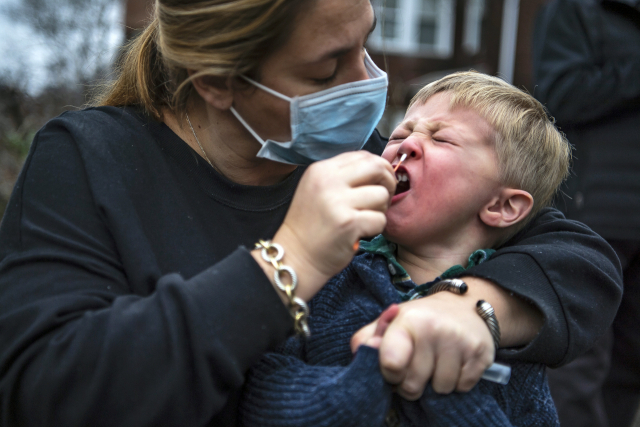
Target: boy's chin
<point x="401" y="237"/>
<point x="390" y="236"/>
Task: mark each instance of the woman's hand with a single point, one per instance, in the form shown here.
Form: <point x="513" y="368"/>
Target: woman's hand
<point x="442" y="339"/>
<point x="338" y="202"/>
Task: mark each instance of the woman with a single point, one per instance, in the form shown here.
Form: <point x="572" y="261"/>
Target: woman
<point x="126" y="297"/>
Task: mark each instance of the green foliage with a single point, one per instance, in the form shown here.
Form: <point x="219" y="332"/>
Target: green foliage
<point x="17" y="142"/>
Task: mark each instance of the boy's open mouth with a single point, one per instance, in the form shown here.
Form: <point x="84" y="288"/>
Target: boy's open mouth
<point x="404" y="183"/>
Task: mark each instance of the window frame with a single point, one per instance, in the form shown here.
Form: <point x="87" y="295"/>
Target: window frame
<point x="407" y="40"/>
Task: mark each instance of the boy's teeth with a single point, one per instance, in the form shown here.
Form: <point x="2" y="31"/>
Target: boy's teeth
<point x="402" y="177"/>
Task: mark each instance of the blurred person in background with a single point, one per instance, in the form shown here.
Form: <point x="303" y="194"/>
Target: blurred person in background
<point x="587" y="73"/>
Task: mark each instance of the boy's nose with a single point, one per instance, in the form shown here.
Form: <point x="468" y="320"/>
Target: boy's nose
<point x="411" y="148"/>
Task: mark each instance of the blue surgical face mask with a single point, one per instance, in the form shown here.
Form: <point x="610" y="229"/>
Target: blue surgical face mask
<point x="329" y="122"/>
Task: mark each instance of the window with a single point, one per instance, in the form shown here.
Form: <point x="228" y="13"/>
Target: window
<point x="390" y="15"/>
<point x="472" y="37"/>
<point x="422" y="27"/>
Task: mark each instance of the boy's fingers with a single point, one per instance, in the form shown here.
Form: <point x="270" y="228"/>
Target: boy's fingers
<point x="446" y="372"/>
<point x="371" y="335"/>
<point x="373" y="342"/>
<point x="385" y="319"/>
<point x="396" y="353"/>
<point x="421" y="369"/>
<point x="362" y="336"/>
<point x="470" y="374"/>
<point x="473" y="368"/>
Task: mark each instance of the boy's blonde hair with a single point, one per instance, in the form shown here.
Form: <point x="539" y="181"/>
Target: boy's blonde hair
<point x="532" y="154"/>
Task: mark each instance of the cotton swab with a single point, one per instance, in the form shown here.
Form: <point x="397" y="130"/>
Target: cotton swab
<point x="404" y="156"/>
<point x="356" y="245"/>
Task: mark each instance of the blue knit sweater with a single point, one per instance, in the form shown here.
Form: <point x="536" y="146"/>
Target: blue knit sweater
<point x="318" y="382"/>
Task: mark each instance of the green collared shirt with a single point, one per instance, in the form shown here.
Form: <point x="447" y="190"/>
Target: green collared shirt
<point x="399" y="276"/>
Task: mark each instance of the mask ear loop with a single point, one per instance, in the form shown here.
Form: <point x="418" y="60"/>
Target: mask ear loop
<point x="266" y="89"/>
<point x="246" y="125"/>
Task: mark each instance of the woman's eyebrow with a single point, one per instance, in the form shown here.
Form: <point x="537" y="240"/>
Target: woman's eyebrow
<point x="342" y="51"/>
<point x="334" y="54"/>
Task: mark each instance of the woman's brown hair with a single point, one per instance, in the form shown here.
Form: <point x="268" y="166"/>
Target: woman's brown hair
<point x="218" y="39"/>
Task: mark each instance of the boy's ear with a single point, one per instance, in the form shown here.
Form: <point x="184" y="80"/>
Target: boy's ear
<point x="508" y="208"/>
<point x="214" y="90"/>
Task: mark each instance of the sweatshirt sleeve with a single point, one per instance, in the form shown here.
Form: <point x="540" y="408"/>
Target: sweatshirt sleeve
<point x="525" y="401"/>
<point x="570" y="273"/>
<point x="472" y="409"/>
<point x="79" y="347"/>
<point x="575" y="78"/>
<point x="284" y="391"/>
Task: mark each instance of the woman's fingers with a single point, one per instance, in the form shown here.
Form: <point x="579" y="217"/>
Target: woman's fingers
<point x="372" y="197"/>
<point x="370" y="169"/>
<point x="338" y="202"/>
<point x="370" y="223"/>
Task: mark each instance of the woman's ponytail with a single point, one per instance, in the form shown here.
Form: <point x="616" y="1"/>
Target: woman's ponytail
<point x="141" y="76"/>
<point x="216" y="38"/>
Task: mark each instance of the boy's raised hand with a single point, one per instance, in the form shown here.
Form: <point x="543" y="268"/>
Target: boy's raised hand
<point x="432" y="339"/>
<point x="380" y="326"/>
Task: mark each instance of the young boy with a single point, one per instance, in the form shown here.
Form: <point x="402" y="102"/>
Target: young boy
<point x="482" y="158"/>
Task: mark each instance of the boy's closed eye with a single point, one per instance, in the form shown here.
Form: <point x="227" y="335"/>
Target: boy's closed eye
<point x="396" y="138"/>
<point x="442" y="140"/>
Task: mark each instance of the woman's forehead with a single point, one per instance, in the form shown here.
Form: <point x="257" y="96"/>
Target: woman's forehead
<point x="330" y="28"/>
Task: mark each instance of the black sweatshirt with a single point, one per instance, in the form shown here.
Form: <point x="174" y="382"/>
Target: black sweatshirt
<point x="128" y="299"/>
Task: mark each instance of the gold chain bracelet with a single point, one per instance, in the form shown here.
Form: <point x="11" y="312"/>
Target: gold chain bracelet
<point x="273" y="253"/>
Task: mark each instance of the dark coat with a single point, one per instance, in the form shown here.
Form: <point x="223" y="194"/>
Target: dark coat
<point x="587" y="72"/>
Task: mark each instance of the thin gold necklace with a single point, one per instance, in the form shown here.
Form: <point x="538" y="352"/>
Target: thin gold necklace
<point x="198" y="141"/>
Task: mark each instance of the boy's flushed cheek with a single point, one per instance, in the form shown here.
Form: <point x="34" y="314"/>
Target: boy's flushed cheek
<point x="389" y="153"/>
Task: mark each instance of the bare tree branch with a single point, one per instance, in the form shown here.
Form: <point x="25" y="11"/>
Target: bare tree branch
<point x="75" y="33"/>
